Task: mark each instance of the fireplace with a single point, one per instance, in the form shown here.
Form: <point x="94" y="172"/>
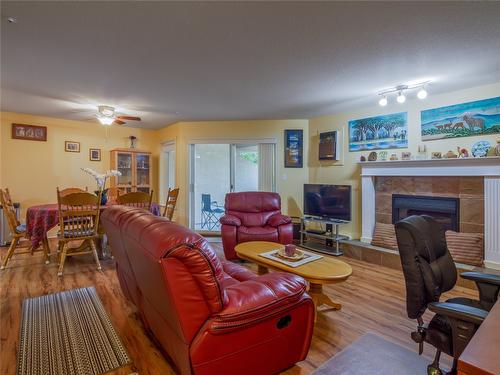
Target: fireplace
<point x="444" y="209"/>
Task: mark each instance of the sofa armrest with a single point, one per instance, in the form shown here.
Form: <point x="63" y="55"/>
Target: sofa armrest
<point x="278" y="219"/>
<point x="230" y="220"/>
<point x="251" y="301"/>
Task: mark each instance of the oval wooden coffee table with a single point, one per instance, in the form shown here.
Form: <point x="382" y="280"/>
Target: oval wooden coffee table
<point x="327" y="270"/>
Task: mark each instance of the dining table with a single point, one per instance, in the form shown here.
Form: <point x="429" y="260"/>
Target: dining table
<point x="40" y="219"/>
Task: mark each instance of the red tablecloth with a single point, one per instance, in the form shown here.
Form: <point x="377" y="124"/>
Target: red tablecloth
<point x="42" y="218"/>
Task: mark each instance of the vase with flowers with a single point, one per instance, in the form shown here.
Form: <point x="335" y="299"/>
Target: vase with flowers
<point x="133" y="141"/>
<point x="101" y="179"/>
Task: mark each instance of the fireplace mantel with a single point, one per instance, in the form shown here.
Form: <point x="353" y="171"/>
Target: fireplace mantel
<point x="489" y="168"/>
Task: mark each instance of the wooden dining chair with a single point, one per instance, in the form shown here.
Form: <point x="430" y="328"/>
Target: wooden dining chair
<point x="17" y="230"/>
<point x="72" y="190"/>
<point x="136" y="199"/>
<point x="171" y="203"/>
<point x="79" y="221"/>
<point x="113" y="193"/>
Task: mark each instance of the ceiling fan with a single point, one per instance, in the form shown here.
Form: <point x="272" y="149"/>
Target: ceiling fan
<point x="107" y="116"/>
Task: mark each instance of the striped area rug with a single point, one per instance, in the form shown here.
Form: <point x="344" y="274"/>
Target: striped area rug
<point x="68" y="333"/>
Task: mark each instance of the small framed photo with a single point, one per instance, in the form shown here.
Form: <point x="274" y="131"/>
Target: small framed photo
<point x="94" y="154"/>
<point x="29" y="132"/>
<point x="70" y="146"/>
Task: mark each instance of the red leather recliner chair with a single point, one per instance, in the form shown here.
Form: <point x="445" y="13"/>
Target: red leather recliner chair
<point x="253" y="216"/>
<point x="210" y="316"/>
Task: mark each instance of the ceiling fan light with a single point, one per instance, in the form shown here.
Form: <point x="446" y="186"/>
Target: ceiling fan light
<point x="106" y="120"/>
<point x="401" y="98"/>
<point x="383" y="101"/>
<point x="422" y="93"/>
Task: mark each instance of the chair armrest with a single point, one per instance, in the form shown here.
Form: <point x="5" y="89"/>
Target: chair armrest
<point x="480" y="277"/>
<point x="488" y="286"/>
<point x="252" y="301"/>
<point x="459" y="312"/>
<point x="464" y="322"/>
<point x="278" y="219"/>
<point x="230" y="220"/>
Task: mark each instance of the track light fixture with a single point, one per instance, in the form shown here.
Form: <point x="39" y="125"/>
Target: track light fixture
<point x="401" y="90"/>
<point x="383" y="101"/>
<point x="401" y="98"/>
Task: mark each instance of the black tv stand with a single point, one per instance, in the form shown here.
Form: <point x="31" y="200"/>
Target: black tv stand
<point x="330" y="235"/>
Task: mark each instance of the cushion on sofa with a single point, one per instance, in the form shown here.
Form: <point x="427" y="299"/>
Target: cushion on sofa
<point x="467" y="248"/>
<point x="385" y="236"/>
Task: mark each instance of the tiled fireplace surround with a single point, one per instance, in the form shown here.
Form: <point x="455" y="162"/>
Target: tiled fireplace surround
<point x="476" y="182"/>
<point x="469" y="189"/>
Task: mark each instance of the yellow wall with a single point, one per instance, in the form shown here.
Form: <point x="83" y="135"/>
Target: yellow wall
<point x="348" y="172"/>
<point x="289" y="181"/>
<point x="32" y="170"/>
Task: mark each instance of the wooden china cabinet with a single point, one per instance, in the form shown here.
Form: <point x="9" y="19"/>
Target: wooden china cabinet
<point x="136" y="169"/>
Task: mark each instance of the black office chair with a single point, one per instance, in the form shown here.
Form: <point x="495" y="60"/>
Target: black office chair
<point x="210" y="212"/>
<point x="429" y="271"/>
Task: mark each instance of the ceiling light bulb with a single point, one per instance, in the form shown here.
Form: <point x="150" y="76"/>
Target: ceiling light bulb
<point x="106" y="120"/>
<point x="383" y="101"/>
<point x="422" y="93"/>
<point x="401" y="97"/>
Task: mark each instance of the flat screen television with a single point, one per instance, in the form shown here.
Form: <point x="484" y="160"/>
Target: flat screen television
<point x="328" y="201"/>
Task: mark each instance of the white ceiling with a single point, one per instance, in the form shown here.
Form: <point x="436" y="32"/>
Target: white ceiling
<point x="178" y="61"/>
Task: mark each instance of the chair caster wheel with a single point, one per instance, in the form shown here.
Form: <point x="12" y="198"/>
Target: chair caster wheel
<point x="59" y="274"/>
<point x="431" y="370"/>
<point x="47" y="261"/>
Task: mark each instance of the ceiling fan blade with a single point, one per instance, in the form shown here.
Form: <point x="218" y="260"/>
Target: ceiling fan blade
<point x="132" y="118"/>
<point x="119" y="122"/>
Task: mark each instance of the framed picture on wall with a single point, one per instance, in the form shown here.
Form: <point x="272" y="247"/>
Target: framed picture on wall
<point x="70" y="146"/>
<point x="94" y="154"/>
<point x="294" y="148"/>
<point x="29" y="132"/>
<point x="328" y="146"/>
<point x="379" y="132"/>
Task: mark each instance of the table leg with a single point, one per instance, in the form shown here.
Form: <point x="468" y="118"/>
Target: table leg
<point x="46" y="249"/>
<point x="319" y="298"/>
<point x="261" y="270"/>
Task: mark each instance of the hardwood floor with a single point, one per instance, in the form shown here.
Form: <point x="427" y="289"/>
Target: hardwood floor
<point x="373" y="299"/>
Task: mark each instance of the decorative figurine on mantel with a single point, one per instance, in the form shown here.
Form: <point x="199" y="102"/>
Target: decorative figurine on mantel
<point x="497" y="148"/>
<point x="436" y="155"/>
<point x="406" y="155"/>
<point x="372" y="156"/>
<point x="362" y="158"/>
<point x="462" y="153"/>
<point x="422" y="152"/>
<point x="383" y="155"/>
<point x="394" y="157"/>
<point x="133" y="141"/>
<point x="450" y="155"/>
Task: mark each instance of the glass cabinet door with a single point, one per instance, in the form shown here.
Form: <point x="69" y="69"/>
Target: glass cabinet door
<point x="142" y="167"/>
<point x="124" y="164"/>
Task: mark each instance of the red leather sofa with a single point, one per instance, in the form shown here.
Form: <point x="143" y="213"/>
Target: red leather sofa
<point x="210" y="316"/>
<point x="253" y="216"/>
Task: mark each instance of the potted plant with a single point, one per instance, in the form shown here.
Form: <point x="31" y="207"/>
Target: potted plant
<point x="101" y="179"/>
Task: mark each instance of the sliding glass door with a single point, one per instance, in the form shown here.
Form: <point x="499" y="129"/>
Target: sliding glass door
<point x="219" y="168"/>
